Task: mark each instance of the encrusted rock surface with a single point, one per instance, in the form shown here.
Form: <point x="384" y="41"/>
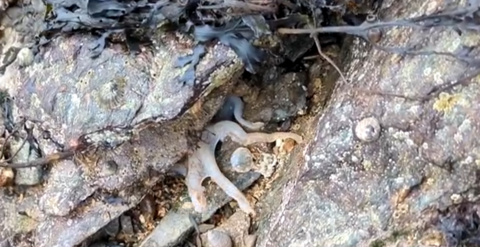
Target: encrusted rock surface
<point x="133" y="108"/>
<point x="344" y="192"/>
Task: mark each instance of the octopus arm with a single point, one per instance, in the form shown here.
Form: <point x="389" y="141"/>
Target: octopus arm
<point x="207" y="166"/>
<point x="228" y="128"/>
<point x="202" y="163"/>
<point x="238" y="112"/>
<point x="193" y="180"/>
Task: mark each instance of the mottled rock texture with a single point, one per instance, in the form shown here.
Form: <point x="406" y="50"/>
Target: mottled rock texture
<point x="344" y="192"/>
<point x="133" y="109"/>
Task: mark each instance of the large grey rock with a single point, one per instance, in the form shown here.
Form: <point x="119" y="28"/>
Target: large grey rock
<point x="132" y="110"/>
<point x="344" y="192"/>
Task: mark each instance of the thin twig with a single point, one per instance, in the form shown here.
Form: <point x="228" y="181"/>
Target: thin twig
<point x="238" y="4"/>
<point x="435" y="91"/>
<point x="319" y="48"/>
<point x="381" y="93"/>
<point x="41" y="161"/>
<point x="346" y="29"/>
<point x="451" y="20"/>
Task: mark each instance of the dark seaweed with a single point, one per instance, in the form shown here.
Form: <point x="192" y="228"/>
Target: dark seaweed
<point x="226" y="111"/>
<point x="250" y="55"/>
<point x="258" y="24"/>
<point x="107" y="17"/>
<point x="109" y="8"/>
<point x="189" y="77"/>
<point x="211" y="23"/>
<point x="460" y="225"/>
<point x="100" y="44"/>
<point x="234" y="34"/>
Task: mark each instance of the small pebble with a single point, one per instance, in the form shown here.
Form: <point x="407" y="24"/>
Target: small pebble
<point x="241" y="160"/>
<point x="112" y="228"/>
<point x="147" y="207"/>
<point x="218" y="239"/>
<point x="127" y="225"/>
<point x="26" y="175"/>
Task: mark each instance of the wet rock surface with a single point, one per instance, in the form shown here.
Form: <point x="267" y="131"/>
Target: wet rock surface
<point x="236" y="228"/>
<point x="177" y="225"/>
<point x="344" y="191"/>
<point x="126" y="106"/>
<point x="380" y="169"/>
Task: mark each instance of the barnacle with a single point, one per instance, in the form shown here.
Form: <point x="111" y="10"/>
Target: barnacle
<point x="202" y="164"/>
<point x="111" y="94"/>
<point x="368" y="129"/>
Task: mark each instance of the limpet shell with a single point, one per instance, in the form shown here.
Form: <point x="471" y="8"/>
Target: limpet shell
<point x="368" y="129"/>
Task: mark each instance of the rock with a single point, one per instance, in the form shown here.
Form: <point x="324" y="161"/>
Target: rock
<point x="176" y="225"/>
<point x="68" y="88"/>
<point x="241" y="160"/>
<point x="170" y="231"/>
<point x="112" y="228"/>
<point x="217" y="238"/>
<point x="235" y="227"/>
<point x="65" y="189"/>
<point x="343" y="192"/>
<point x="127" y="225"/>
<point x="132" y="112"/>
<point x="281" y="99"/>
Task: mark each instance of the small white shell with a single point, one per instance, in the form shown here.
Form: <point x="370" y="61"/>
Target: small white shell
<point x="368" y="129"/>
<point x="217" y="238"/>
<point x="241" y="160"/>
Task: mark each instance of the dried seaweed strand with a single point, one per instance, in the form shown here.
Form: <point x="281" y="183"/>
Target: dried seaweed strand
<point x="460" y="19"/>
<point x="41" y="161"/>
<point x="330" y="61"/>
